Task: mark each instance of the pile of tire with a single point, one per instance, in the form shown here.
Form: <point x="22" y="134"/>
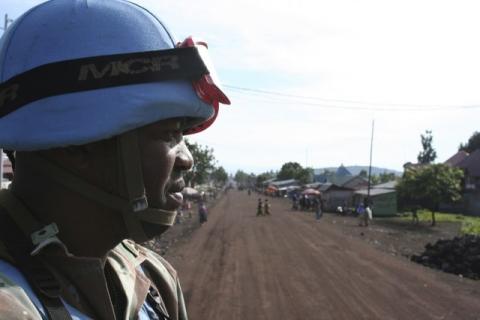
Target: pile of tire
<point x="460" y="255"/>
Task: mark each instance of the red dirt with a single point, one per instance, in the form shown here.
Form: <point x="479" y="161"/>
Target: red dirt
<point x="289" y="266"/>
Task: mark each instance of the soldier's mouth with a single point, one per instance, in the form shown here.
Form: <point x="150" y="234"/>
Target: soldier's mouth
<point x="174" y="200"/>
<point x="174" y="197"/>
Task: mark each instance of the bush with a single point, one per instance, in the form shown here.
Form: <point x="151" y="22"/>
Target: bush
<point x="471" y="225"/>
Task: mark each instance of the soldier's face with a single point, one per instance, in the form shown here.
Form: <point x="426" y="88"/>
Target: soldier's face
<point x="165" y="158"/>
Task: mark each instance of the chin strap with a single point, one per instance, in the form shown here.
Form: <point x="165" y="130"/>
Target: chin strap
<point x="135" y="209"/>
<point x="139" y="211"/>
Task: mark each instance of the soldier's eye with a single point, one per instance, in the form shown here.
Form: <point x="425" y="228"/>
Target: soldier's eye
<point x="173" y="137"/>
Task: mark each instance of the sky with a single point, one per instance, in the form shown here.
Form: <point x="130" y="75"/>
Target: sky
<point x="308" y="78"/>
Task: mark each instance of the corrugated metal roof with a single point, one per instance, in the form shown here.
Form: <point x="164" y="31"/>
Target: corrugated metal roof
<point x="374" y="192"/>
<point x="387" y="185"/>
<point x="284" y="182"/>
<point x="324" y="186"/>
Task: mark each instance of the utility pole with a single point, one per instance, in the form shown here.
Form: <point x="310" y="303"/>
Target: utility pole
<point x="6" y="22"/>
<point x="5" y="26"/>
<point x="306" y="158"/>
<point x="369" y="176"/>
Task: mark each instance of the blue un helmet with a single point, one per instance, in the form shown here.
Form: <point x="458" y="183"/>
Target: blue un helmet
<point x="78" y="71"/>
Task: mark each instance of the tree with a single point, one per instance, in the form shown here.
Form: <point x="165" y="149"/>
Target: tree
<point x="305" y="175"/>
<point x="386" y="177"/>
<point x="204" y="164"/>
<point x="219" y="176"/>
<point x="289" y="170"/>
<point x="363" y="173"/>
<point x="264" y="177"/>
<point x="241" y="178"/>
<point x="428" y="186"/>
<point x="252" y="178"/>
<point x="293" y="170"/>
<point x="428" y="155"/>
<point x="472" y="144"/>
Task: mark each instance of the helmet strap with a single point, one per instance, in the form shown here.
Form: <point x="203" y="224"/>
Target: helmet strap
<point x="134" y="209"/>
<point x="130" y="162"/>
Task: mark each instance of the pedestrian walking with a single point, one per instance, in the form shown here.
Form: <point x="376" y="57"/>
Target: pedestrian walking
<point x="294" y="201"/>
<point x="187" y="207"/>
<point x="179" y="217"/>
<point x="317" y="203"/>
<point x="361" y="213"/>
<point x="202" y="212"/>
<point x="266" y="207"/>
<point x="368" y="213"/>
<point x="259" y="208"/>
<point x="368" y="216"/>
<point x="415" y="219"/>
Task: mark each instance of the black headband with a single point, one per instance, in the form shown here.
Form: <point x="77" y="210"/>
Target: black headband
<point x="99" y="72"/>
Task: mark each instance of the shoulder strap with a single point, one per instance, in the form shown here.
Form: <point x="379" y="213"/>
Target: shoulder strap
<point x="18" y="247"/>
<point x="154" y="298"/>
<point x="19" y="213"/>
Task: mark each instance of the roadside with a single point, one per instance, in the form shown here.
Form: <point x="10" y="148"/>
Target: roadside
<point x="289" y="266"/>
<point x="395" y="236"/>
<point x="398" y="236"/>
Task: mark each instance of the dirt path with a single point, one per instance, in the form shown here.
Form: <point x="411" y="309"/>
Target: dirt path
<point x="288" y="266"/>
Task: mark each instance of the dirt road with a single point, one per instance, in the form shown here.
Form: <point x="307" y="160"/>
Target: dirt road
<point x="288" y="266"/>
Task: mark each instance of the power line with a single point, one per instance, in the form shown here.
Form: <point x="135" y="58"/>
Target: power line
<point x="400" y="107"/>
<point x="278" y="101"/>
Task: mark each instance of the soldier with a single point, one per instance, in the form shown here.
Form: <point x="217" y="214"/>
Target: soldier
<point x="95" y="98"/>
<point x="259" y="208"/>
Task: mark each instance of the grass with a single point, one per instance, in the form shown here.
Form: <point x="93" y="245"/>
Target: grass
<point x="470" y="225"/>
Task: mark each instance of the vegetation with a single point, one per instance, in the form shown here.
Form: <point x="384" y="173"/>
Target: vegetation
<point x="241" y="177"/>
<point x="428" y="154"/>
<point x="219" y="176"/>
<point x="204" y="164"/>
<point x="470" y="225"/>
<point x="382" y="178"/>
<point x="377" y="179"/>
<point x="363" y="173"/>
<point x="428" y="186"/>
<point x="244" y="179"/>
<point x="263" y="177"/>
<point x="472" y="144"/>
<point x="293" y="170"/>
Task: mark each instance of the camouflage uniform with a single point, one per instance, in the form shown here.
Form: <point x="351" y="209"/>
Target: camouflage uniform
<point x="139" y="274"/>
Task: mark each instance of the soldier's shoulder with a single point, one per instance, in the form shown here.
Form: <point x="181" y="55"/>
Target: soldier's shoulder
<point x="156" y="259"/>
<point x="143" y="253"/>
